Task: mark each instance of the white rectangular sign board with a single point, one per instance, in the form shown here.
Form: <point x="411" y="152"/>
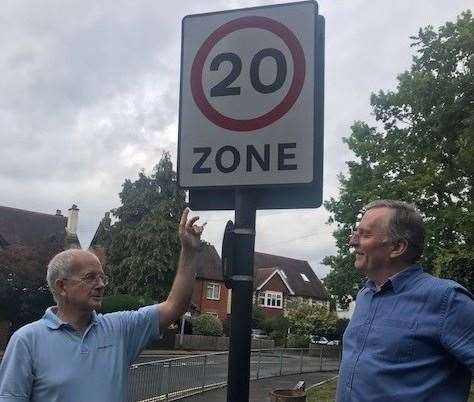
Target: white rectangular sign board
<point x="247" y="97"/>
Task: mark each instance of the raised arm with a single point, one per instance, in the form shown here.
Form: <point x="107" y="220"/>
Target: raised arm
<point x="180" y="295"/>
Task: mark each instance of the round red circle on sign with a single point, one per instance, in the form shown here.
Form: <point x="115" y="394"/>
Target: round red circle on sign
<point x="299" y="71"/>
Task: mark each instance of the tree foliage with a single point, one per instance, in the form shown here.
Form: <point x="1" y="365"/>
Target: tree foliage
<point x="24" y="294"/>
<point x="420" y="152"/>
<point x="142" y="248"/>
<point x="121" y="302"/>
<point x="208" y="325"/>
<point x="311" y="319"/>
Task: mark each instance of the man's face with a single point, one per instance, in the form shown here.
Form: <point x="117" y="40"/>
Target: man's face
<point x="84" y="289"/>
<point x="371" y="242"/>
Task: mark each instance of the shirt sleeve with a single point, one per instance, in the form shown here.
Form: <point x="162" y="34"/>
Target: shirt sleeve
<point x="140" y="328"/>
<point x="457" y="326"/>
<point x="16" y="371"/>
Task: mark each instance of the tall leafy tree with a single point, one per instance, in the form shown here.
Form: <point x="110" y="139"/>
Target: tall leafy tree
<point x="421" y="151"/>
<point x="142" y="247"/>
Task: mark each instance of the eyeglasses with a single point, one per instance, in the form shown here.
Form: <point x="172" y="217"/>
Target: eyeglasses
<point x="356" y="235"/>
<point x="92" y="279"/>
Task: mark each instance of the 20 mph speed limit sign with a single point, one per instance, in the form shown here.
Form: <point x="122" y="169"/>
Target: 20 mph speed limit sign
<point x="249" y="98"/>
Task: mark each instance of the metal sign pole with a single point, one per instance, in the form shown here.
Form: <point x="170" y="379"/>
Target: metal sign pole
<point x="242" y="294"/>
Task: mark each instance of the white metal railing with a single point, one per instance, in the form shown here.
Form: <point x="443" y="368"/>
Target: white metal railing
<point x="183" y="376"/>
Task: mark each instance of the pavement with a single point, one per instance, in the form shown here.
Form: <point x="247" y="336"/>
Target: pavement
<point x="260" y="389"/>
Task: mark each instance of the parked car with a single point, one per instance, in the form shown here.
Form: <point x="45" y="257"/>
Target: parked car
<point x="320" y="340"/>
<point x="259" y="334"/>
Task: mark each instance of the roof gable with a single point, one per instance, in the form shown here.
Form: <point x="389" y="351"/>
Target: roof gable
<point x="276" y="272"/>
<point x="292" y="269"/>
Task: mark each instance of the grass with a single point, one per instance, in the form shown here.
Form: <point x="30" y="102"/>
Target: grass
<point x="327" y="393"/>
<point x="323" y="393"/>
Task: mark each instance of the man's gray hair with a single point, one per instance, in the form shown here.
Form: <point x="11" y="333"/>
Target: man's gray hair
<point x="406" y="223"/>
<point x="59" y="267"/>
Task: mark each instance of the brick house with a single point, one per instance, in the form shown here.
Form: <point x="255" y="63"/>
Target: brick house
<point x="210" y="294"/>
<point x="278" y="280"/>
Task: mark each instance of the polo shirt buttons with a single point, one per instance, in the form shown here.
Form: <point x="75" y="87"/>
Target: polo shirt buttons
<point x="84" y="349"/>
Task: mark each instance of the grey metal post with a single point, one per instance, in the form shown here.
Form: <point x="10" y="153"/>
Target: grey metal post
<point x="281" y="361"/>
<point x="321" y="357"/>
<point x="242" y="292"/>
<point x="204" y="366"/>
<point x="166" y="374"/>
<point x="301" y="361"/>
<point x="258" y="363"/>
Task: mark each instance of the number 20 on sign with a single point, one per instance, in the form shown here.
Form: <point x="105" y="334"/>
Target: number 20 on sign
<point x="247" y="97"/>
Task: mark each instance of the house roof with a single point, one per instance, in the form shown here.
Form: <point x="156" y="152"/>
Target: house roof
<point x="266" y="265"/>
<point x="209" y="263"/>
<point x="18" y="226"/>
<point x="276" y="272"/>
<point x="292" y="269"/>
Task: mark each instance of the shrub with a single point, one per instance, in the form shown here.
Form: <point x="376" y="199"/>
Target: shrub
<point x="298" y="341"/>
<point x="258" y="317"/>
<point x="122" y="302"/>
<point x="277" y="328"/>
<point x="207" y="324"/>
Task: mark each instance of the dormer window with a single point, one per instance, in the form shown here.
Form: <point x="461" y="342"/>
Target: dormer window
<point x="305" y="278"/>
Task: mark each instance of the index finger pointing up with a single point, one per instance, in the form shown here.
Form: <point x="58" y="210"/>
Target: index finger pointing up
<point x="184" y="218"/>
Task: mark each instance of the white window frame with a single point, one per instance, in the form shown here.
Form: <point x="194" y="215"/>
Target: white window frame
<point x="268" y="297"/>
<point x="212" y="286"/>
<point x="305" y="278"/>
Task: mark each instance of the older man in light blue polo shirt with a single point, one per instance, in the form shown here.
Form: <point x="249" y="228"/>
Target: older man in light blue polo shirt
<point x="75" y="355"/>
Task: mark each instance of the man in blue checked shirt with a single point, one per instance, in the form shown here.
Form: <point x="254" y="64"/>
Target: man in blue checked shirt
<point x="411" y="337"/>
<point x="75" y="355"/>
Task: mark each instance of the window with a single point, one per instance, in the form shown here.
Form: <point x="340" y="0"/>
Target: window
<point x="305" y="278"/>
<point x="270" y="299"/>
<point x="213" y="291"/>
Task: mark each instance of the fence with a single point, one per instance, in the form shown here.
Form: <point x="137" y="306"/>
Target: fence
<point x="170" y="379"/>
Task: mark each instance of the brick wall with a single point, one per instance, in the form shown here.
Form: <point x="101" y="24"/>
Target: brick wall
<point x="4" y="333"/>
<point x="215" y="306"/>
<point x="208" y="305"/>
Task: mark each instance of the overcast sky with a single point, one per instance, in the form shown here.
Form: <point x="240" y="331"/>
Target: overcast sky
<point x="90" y="89"/>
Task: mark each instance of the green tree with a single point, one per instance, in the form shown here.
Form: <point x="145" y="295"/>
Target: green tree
<point x="24" y="294"/>
<point x="311" y="319"/>
<point x="420" y="152"/>
<point x="142" y="246"/>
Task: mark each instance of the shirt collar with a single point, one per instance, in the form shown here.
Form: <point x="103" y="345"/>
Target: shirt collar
<point x="54" y="322"/>
<point x="398" y="280"/>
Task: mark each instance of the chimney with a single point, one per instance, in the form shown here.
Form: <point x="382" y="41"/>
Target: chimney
<point x="72" y="219"/>
<point x="58" y="212"/>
